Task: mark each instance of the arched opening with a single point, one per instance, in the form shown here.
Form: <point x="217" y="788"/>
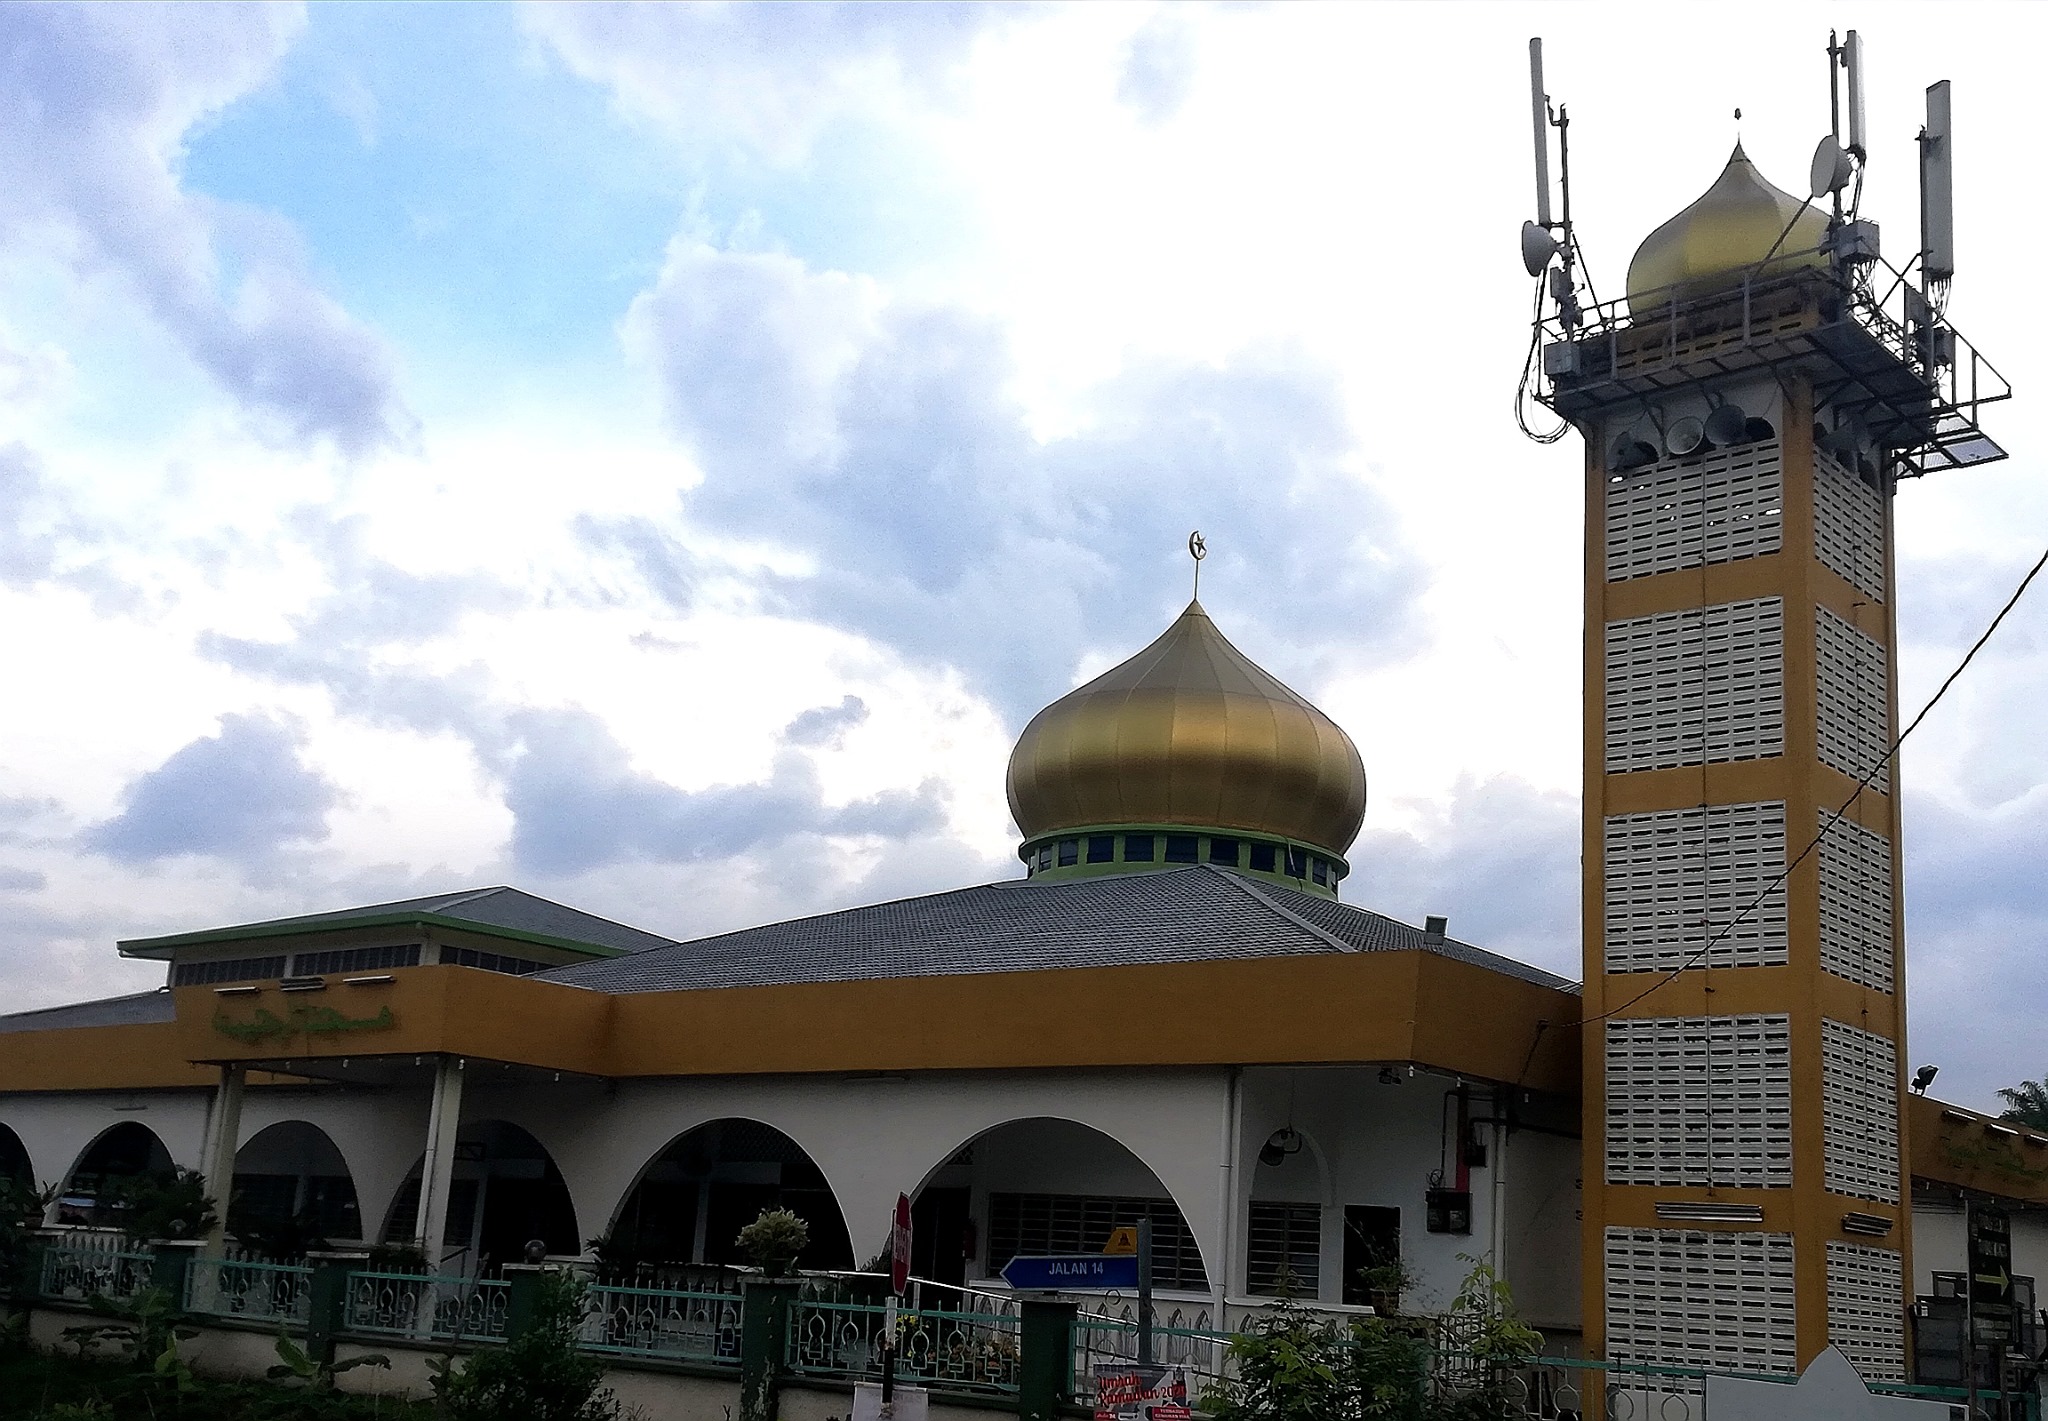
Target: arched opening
<point x="15" y="1166"/>
<point x="506" y="1192"/>
<point x="1284" y="1233"/>
<point x="292" y="1191"/>
<point x="692" y="1200"/>
<point x="123" y="1151"/>
<point x="1045" y="1185"/>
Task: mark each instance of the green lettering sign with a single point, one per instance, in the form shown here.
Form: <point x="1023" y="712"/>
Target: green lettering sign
<point x="299" y="1021"/>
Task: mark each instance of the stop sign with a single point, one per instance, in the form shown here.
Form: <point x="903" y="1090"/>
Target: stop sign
<point x="899" y="1247"/>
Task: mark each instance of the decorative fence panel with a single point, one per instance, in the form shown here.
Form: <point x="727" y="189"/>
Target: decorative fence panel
<point x="76" y="1271"/>
<point x="247" y="1288"/>
<point x="656" y="1322"/>
<point x="414" y="1305"/>
<point x="959" y="1351"/>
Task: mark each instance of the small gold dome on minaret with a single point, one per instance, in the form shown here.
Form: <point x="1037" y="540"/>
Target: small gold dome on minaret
<point x="1720" y="238"/>
<point x="1191" y="732"/>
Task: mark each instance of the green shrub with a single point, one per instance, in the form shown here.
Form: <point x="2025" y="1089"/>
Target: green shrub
<point x="171" y="1204"/>
<point x="538" y="1375"/>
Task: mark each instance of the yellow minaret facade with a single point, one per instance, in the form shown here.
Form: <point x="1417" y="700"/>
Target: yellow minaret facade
<point x="1747" y="413"/>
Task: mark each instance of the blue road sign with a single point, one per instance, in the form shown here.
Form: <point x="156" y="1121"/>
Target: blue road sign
<point x="1073" y="1272"/>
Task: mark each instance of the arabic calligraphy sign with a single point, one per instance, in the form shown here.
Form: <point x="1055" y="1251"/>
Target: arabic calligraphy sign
<point x="306" y="1020"/>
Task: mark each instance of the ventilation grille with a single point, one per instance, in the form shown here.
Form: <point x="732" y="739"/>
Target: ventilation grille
<point x="1848" y="526"/>
<point x="1867" y="1309"/>
<point x="1855" y="723"/>
<point x="1700" y="1100"/>
<point x="1689" y="1298"/>
<point x="1855" y="903"/>
<point x="1859" y="1104"/>
<point x="1704" y="684"/>
<point x="1716" y="509"/>
<point x="1676" y="878"/>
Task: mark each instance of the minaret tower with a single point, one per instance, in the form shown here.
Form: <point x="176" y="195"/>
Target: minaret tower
<point x="1748" y="411"/>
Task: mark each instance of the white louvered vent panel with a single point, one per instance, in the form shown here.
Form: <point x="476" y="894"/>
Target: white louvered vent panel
<point x="1669" y="515"/>
<point x="1859" y="1106"/>
<point x="1848" y="526"/>
<point x="1704" y="684"/>
<point x="1700" y="1100"/>
<point x="1855" y="903"/>
<point x="1693" y="1298"/>
<point x="1855" y="722"/>
<point x="1677" y="878"/>
<point x="1867" y="1309"/>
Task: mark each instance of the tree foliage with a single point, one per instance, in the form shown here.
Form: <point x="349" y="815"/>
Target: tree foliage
<point x="2027" y="1103"/>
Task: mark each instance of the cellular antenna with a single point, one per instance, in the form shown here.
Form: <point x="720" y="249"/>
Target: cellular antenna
<point x="1852" y="60"/>
<point x="1937" y="188"/>
<point x="1539" y="114"/>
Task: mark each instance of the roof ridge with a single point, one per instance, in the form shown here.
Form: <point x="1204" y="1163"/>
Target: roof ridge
<point x="1252" y="890"/>
<point x="458" y="899"/>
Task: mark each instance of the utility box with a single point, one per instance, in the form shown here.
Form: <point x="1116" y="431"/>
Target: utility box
<point x="1448" y="1211"/>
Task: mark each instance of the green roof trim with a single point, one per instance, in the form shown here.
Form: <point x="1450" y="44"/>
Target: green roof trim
<point x="163" y="947"/>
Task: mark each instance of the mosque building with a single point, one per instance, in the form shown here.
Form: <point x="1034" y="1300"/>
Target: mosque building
<point x="1706" y="1153"/>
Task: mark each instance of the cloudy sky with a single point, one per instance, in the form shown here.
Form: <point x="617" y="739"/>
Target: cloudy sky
<point x="661" y="456"/>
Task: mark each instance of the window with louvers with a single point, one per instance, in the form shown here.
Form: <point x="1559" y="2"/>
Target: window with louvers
<point x="1694" y="1298"/>
<point x="1033" y="1224"/>
<point x="1848" y="526"/>
<point x="1284" y="1255"/>
<point x="1867" y="1308"/>
<point x="1700" y="1100"/>
<point x="1855" y="715"/>
<point x="355" y="959"/>
<point x="1681" y="513"/>
<point x="1860" y="1106"/>
<point x="1705" y="685"/>
<point x="235" y="969"/>
<point x="1678" y="879"/>
<point x="1855" y="902"/>
<point x="489" y="961"/>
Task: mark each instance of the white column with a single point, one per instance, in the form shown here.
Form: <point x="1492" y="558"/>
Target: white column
<point x="437" y="1170"/>
<point x="217" y="1154"/>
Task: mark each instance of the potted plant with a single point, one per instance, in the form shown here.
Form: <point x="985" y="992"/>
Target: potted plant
<point x="773" y="1241"/>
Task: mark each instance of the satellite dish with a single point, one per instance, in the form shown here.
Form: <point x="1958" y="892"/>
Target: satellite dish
<point x="1631" y="451"/>
<point x="1538" y="247"/>
<point x="1727" y="425"/>
<point x="1684" y="436"/>
<point x="1832" y="168"/>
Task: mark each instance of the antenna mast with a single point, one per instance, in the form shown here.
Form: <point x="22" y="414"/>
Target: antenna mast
<point x="1539" y="114"/>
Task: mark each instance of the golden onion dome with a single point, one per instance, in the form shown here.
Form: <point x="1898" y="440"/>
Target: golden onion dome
<point x="1189" y="731"/>
<point x="1722" y="237"/>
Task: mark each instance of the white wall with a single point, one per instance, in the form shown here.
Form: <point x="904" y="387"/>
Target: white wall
<point x="56" y="1128"/>
<point x="1378" y="1144"/>
<point x="1940" y="1245"/>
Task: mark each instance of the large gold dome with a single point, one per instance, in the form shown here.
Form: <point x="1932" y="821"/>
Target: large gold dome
<point x="1188" y="731"/>
<point x="1721" y="237"/>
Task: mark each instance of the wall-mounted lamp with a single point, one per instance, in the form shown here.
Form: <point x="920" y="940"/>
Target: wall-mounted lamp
<point x="1923" y="1078"/>
<point x="1389" y="1076"/>
<point x="1279" y="1145"/>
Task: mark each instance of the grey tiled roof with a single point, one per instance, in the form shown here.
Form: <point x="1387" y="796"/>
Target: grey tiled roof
<point x="1372" y="933"/>
<point x="141" y="1009"/>
<point x="499" y="907"/>
<point x="1174" y="915"/>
